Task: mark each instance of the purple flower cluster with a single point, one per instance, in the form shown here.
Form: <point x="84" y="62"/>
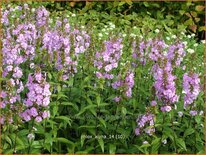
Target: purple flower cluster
<point x="42" y="16"/>
<point x="18" y="47"/>
<point x="176" y="53"/>
<point x="140" y="53"/>
<point x="145" y="123"/>
<point x="61" y="42"/>
<point x="191" y="88"/>
<point x="38" y="98"/>
<point x="158" y="48"/>
<point x="165" y="58"/>
<point x="26" y="38"/>
<point x="165" y="85"/>
<point x="108" y="59"/>
<point x="81" y="41"/>
<point x="124" y="85"/>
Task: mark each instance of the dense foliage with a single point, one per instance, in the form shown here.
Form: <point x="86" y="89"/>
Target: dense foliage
<point x="188" y="14"/>
<point x="99" y="83"/>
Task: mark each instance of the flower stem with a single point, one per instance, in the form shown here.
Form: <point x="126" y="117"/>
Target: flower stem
<point x="172" y="121"/>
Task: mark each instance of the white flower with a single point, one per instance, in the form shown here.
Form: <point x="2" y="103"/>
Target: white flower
<point x="157" y="31"/>
<point x="193" y="35"/>
<point x="164" y="53"/>
<point x="33" y="10"/>
<point x="73" y="15"/>
<point x="50" y="21"/>
<point x="145" y="142"/>
<point x="174" y="36"/>
<point x="195" y="45"/>
<point x="132" y="35"/>
<point x="168" y="38"/>
<point x="180" y="113"/>
<point x="203" y="41"/>
<point x="189" y="36"/>
<point x="82" y="27"/>
<point x="100" y="35"/>
<point x="35" y="129"/>
<point x="122" y="64"/>
<point x="32" y="65"/>
<point x="201" y="112"/>
<point x="30" y="136"/>
<point x="164" y="141"/>
<point x="134" y="27"/>
<point x="185" y="43"/>
<point x="124" y="35"/>
<point x="112" y="26"/>
<point x="190" y="51"/>
<point x="175" y="107"/>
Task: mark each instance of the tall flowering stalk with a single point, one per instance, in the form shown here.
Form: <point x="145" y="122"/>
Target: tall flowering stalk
<point x="166" y="58"/>
<point x="38" y="98"/>
<point x="61" y="44"/>
<point x="140" y="51"/>
<point x="165" y="85"/>
<point x="191" y="89"/>
<point x="145" y="124"/>
<point x="124" y="85"/>
<point x="108" y="59"/>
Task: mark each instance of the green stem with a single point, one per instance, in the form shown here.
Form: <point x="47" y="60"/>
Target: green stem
<point x="195" y="137"/>
<point x="117" y="122"/>
<point x="15" y="137"/>
<point x="30" y="143"/>
<point x="172" y="120"/>
<point x="163" y="121"/>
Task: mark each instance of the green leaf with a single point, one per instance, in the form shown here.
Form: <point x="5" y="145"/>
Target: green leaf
<point x="85" y="108"/>
<point x="49" y="76"/>
<point x="82" y="139"/>
<point x="19" y="142"/>
<point x="155" y="145"/>
<point x="87" y="126"/>
<point x="8" y="140"/>
<point x="199" y="7"/>
<point x="188" y="132"/>
<point x="70" y="104"/>
<point x="180" y="142"/>
<point x="36" y="145"/>
<point x="98" y="100"/>
<point x="35" y="151"/>
<point x="8" y="151"/>
<point x="21" y="147"/>
<point x="67" y="119"/>
<point x="124" y="111"/>
<point x="198" y="119"/>
<point x="101" y="143"/>
<point x="146" y="4"/>
<point x="60" y="95"/>
<point x="182" y="12"/>
<point x="23" y="132"/>
<point x="112" y="148"/>
<point x="102" y="121"/>
<point x="58" y="88"/>
<point x="63" y="140"/>
<point x="55" y="110"/>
